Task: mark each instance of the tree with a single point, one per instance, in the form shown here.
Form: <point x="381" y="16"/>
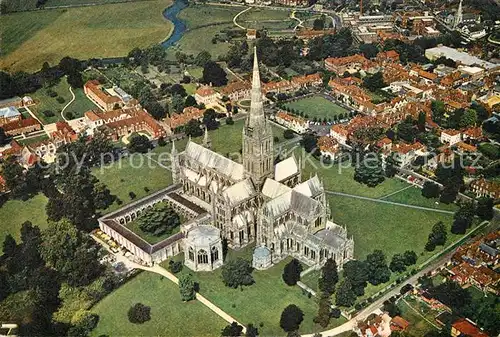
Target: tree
<point x="291" y="317"/>
<point x="406" y="130"/>
<point x="309" y="142"/>
<point x="229" y="120"/>
<point x="345" y="296"/>
<point x="468" y="119"/>
<point x="391" y="164"/>
<point x="202" y="58"/>
<point x="288" y="134"/>
<point x="451" y="294"/>
<point x="232" y="330"/>
<point x="9" y="246"/>
<point x="210" y="119"/>
<point x="369" y="170"/>
<point x="213" y="74"/>
<point x="159" y="220"/>
<point x="378" y="272"/>
<point x="357" y="274"/>
<point x="291" y="272"/>
<point x="374" y="82"/>
<point x="410" y="257"/>
<point x="72" y="253"/>
<point x="329" y="277"/>
<point x="139" y="313"/>
<point x="102" y="196"/>
<point x="397" y="264"/>
<point x="193" y="128"/>
<point x="369" y="50"/>
<point x="463" y="218"/>
<point x="177" y="103"/>
<point x="161" y="141"/>
<point x="323" y="317"/>
<point x="437" y="237"/>
<point x="237" y="273"/>
<point x="190" y="101"/>
<point x="319" y="23"/>
<point x="252" y="331"/>
<point x="3" y="137"/>
<point x="187" y="287"/>
<point x="484" y="208"/>
<point x="391" y="308"/>
<point x="431" y="190"/>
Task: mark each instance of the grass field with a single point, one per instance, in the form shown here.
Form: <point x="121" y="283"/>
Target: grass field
<point x="386" y="227"/>
<point x="169" y="315"/>
<point x="32" y="140"/>
<point x="31" y="38"/>
<point x="210" y="14"/>
<point x="133" y="174"/>
<point x="55" y="3"/>
<point x="317" y="106"/>
<point x="45" y="102"/>
<point x="259" y="14"/>
<point x="14" y="212"/>
<point x="413" y="196"/>
<point x="418" y="326"/>
<point x="261" y="302"/>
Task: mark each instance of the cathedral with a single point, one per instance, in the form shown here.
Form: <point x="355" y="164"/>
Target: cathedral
<point x="256" y="201"/>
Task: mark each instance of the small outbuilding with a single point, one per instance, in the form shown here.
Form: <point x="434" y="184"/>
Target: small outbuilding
<point x="203" y="248"/>
<point x="261" y="258"/>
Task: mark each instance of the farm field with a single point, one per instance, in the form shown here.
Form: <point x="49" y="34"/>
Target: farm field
<point x="317" y="107"/>
<point x="168" y="313"/>
<point x="210" y="14"/>
<point x="13" y="213"/>
<point x="49" y="35"/>
<point x="269" y="296"/>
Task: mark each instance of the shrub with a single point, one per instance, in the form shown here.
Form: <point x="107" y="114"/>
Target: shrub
<point x="174" y="266"/>
<point x="48" y="113"/>
<point x="60" y="100"/>
<point x="132" y="195"/>
<point x="288" y="134"/>
<point x="51" y="93"/>
<point x="139" y="313"/>
<point x="229" y="121"/>
<point x="335" y="313"/>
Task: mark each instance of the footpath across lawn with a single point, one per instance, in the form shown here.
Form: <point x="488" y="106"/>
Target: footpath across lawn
<point x="169" y="315"/>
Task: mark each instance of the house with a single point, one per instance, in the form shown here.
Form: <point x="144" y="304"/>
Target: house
<point x="398" y="323"/>
<point x="464" y="327"/>
<point x="95" y="92"/>
<point x="405" y="154"/>
<point x="329" y="147"/>
<point x="237" y="90"/>
<point x="388" y="56"/>
<point x="450" y="136"/>
<point x="292" y="3"/>
<point x="21" y="126"/>
<point x="11" y="149"/>
<point x="206" y="95"/>
<point x="9" y="114"/>
<point x="484" y="188"/>
<point x="465" y="148"/>
<point x="340" y="133"/>
<point x="294" y="123"/>
<point x="473" y="133"/>
<point x="16" y="102"/>
<point x="352" y="64"/>
<point x="177" y="120"/>
<point x="251" y="34"/>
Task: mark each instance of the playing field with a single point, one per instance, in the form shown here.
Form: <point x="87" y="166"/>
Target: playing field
<point x="169" y="315"/>
<point x="262" y="302"/>
<point x="317" y="106"/>
<point x="13" y="213"/>
<point x="31" y="38"/>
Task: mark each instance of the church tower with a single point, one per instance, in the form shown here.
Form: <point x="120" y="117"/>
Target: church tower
<point x="258" y="149"/>
<point x="459" y="18"/>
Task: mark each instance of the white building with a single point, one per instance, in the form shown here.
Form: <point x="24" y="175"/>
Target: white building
<point x="206" y="95"/>
<point x="450" y="136"/>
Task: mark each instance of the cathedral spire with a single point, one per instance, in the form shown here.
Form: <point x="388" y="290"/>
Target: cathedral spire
<point x="459" y="17"/>
<point x="256" y="116"/>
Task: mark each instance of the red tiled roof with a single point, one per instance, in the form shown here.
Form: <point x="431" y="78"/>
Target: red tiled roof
<point x="19" y="124"/>
<point x="95" y="87"/>
<point x="205" y="91"/>
<point x="467" y="328"/>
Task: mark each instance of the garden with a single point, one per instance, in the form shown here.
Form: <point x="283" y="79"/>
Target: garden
<point x="317" y="108"/>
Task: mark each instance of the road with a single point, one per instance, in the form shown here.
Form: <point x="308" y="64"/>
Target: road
<point x="389" y="202"/>
<point x="69" y="103"/>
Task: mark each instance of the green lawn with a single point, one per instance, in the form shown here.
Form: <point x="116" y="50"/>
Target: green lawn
<point x="210" y="14"/>
<point x="13" y="213"/>
<point x="32" y="38"/>
<point x="413" y="196"/>
<point x="169" y="315"/>
<point x="261" y="302"/>
<point x="133" y="174"/>
<point x="79" y="106"/>
<point x="393" y="229"/>
<point x="418" y="326"/>
<point x="259" y="14"/>
<point x="152" y="239"/>
<point x="55" y="3"/>
<point x="311" y="279"/>
<point x="317" y="106"/>
<point x="32" y="140"/>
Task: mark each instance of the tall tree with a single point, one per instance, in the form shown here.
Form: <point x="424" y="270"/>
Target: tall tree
<point x="357" y="273"/>
<point x="463" y="218"/>
<point x="323" y="316"/>
<point x="397" y="264"/>
<point x="369" y="170"/>
<point x="213" y="74"/>
<point x="9" y="246"/>
<point x="378" y="272"/>
<point x="237" y="273"/>
<point x="291" y="317"/>
<point x="232" y="330"/>
<point x="431" y="190"/>
<point x="345" y="296"/>
<point x="329" y="277"/>
<point x="3" y="137"/>
<point x="187" y="287"/>
<point x="484" y="208"/>
<point x="202" y="58"/>
<point x="140" y="144"/>
<point x="210" y="119"/>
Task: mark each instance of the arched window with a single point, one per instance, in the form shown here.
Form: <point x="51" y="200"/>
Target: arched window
<point x="215" y="254"/>
<point x="191" y="254"/>
<point x="202" y="256"/>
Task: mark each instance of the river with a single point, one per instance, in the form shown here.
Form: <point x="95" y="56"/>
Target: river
<point x="179" y="26"/>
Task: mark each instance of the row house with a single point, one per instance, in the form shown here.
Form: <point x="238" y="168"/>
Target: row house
<point x="207" y="95"/>
<point x="11" y="149"/>
<point x="329" y="147"/>
<point x="350" y="64"/>
<point x="292" y="3"/>
<point x="343" y="132"/>
<point x="479" y="276"/>
<point x="139" y="121"/>
<point x="9" y="114"/>
<point x="94" y="119"/>
<point x="237" y="91"/>
<point x="95" y="92"/>
<point x="463" y="148"/>
<point x="22" y="126"/>
<point x="484" y="250"/>
<point x="308" y="34"/>
<point x="394" y="72"/>
<point x="176" y="121"/>
<point x="485" y="188"/>
<point x="297" y="124"/>
<point x="405" y="154"/>
<point x="340" y="133"/>
<point x="384" y="57"/>
<point x="295" y="83"/>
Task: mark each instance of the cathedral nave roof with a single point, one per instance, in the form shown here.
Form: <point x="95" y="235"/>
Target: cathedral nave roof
<point x="285" y="169"/>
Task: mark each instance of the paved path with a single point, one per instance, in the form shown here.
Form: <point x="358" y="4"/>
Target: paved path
<point x="69" y="103"/>
<point x="237" y="15"/>
<point x="389" y="202"/>
<point x="401" y="190"/>
<point x="300" y="24"/>
<point x="33" y="115"/>
<point x="162" y="271"/>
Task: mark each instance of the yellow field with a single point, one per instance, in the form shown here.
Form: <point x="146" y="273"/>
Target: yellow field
<point x="31" y="38"/>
